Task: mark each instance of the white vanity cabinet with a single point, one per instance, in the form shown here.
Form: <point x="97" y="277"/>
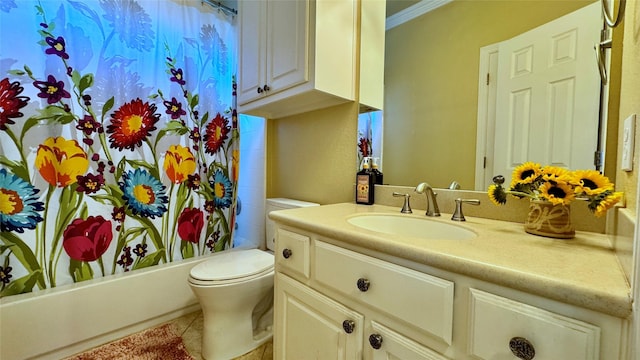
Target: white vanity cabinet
<point x="296" y="56"/>
<point x="334" y="300"/>
<point x="345" y="305"/>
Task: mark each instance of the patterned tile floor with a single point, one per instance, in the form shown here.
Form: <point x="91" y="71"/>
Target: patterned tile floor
<point x="190" y="326"/>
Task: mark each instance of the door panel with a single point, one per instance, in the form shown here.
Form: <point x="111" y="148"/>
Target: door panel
<point x="548" y="92"/>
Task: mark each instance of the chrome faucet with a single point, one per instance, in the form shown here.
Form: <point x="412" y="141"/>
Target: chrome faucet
<point x="432" y="204"/>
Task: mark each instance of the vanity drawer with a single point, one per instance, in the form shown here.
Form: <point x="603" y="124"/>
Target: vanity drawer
<point x="292" y="253"/>
<point x="497" y="324"/>
<point x="397" y="291"/>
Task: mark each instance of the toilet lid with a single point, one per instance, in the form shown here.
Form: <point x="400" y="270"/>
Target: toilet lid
<point x="233" y="264"/>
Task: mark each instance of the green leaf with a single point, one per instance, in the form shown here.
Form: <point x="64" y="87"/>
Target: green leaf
<point x="31" y="122"/>
<point x="24" y="254"/>
<point x="103" y="199"/>
<point x="22" y="285"/>
<point x="204" y="119"/>
<point x="16" y="72"/>
<point x="28" y="70"/>
<point x="140" y="163"/>
<point x="149" y="260"/>
<point x="107" y="106"/>
<point x="17" y="168"/>
<point x="115" y="193"/>
<point x="194" y="101"/>
<point x="80" y="270"/>
<point x="85" y="82"/>
<point x="221" y="244"/>
<point x="155" y="236"/>
<point x="75" y="77"/>
<point x="120" y="168"/>
<point x="186" y="248"/>
<point x="176" y="127"/>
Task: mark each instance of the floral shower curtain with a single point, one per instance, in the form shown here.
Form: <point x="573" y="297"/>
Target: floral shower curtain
<point x="118" y="137"/>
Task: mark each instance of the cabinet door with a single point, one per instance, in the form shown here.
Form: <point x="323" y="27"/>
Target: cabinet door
<point x="309" y="325"/>
<point x="386" y="344"/>
<point x="252" y="44"/>
<point x="500" y="328"/>
<point x="287" y="44"/>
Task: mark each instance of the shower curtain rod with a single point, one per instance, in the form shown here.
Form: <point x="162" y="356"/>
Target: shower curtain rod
<point x="220" y="6"/>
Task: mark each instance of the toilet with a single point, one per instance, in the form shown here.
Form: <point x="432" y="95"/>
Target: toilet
<point x="235" y="291"/>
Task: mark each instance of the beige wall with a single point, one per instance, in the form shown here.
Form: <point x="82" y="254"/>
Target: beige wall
<point x="312" y="156"/>
<point x="630" y="98"/>
<point x="431" y="97"/>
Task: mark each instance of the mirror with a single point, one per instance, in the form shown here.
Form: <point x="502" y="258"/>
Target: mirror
<point x="431" y="85"/>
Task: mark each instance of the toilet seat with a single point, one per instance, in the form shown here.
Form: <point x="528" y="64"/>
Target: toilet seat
<point x="232" y="266"/>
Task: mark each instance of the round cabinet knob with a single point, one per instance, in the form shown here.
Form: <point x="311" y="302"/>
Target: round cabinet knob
<point x="375" y="340"/>
<point x="266" y="87"/>
<point x="260" y="90"/>
<point x="348" y="326"/>
<point x="287" y="253"/>
<point x="363" y="284"/>
<point x="522" y="348"/>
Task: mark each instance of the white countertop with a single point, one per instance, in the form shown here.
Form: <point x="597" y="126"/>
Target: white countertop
<point x="583" y="271"/>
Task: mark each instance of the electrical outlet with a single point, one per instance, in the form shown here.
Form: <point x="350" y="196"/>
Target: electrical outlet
<point x="628" y="135"/>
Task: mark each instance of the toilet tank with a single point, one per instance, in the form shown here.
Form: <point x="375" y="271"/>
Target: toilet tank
<point x="280" y="204"/>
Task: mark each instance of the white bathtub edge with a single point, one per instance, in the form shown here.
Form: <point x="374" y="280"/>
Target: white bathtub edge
<point x="63" y="321"/>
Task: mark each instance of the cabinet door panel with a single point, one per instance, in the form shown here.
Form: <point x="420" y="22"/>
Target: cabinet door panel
<point x="397" y="347"/>
<point x="342" y="269"/>
<point x="288" y="24"/>
<point x="496" y="321"/>
<point x="251" y="37"/>
<point x="292" y="253"/>
<point x="310" y="326"/>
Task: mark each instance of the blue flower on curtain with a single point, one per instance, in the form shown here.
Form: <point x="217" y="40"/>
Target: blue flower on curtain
<point x="143" y="193"/>
<point x="19" y="204"/>
<point x="222" y="190"/>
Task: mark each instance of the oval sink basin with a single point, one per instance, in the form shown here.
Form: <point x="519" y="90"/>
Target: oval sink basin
<point x="411" y="226"/>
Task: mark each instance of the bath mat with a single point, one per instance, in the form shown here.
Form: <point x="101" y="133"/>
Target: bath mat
<point x="162" y="342"/>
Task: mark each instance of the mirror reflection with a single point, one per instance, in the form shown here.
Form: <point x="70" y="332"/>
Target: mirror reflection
<point x="431" y="86"/>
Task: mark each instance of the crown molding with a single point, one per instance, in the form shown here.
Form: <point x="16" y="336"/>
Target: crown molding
<point x="413" y="12"/>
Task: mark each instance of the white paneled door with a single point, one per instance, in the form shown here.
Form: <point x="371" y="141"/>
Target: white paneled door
<point x="548" y="95"/>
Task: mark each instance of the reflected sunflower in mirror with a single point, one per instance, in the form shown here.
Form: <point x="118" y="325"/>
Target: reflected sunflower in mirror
<point x="558" y="186"/>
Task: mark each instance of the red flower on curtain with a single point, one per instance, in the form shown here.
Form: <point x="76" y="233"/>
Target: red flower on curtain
<point x="190" y="224"/>
<point x="216" y="132"/>
<point x="87" y="240"/>
<point x="131" y="124"/>
<point x="10" y="102"/>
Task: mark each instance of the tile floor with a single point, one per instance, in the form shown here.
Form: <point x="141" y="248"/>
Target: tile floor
<point x="190" y="327"/>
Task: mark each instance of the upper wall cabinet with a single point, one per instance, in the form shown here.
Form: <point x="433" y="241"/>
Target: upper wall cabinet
<point x="296" y="55"/>
<point x="372" y="31"/>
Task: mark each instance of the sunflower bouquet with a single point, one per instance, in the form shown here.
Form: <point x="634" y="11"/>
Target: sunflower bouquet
<point x="558" y="186"/>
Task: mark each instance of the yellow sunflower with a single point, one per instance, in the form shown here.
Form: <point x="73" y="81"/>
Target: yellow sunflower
<point x="607" y="203"/>
<point x="554" y="173"/>
<point x="557" y="193"/>
<point x="497" y="195"/>
<point x="591" y="182"/>
<point x="525" y="173"/>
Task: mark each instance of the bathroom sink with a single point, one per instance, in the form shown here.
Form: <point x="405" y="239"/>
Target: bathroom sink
<point x="411" y="226"/>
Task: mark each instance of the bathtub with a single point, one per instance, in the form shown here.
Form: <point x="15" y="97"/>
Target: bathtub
<point x="59" y="322"/>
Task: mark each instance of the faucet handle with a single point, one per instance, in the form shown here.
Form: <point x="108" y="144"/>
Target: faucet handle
<point x="406" y="207"/>
<point x="457" y="214"/>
